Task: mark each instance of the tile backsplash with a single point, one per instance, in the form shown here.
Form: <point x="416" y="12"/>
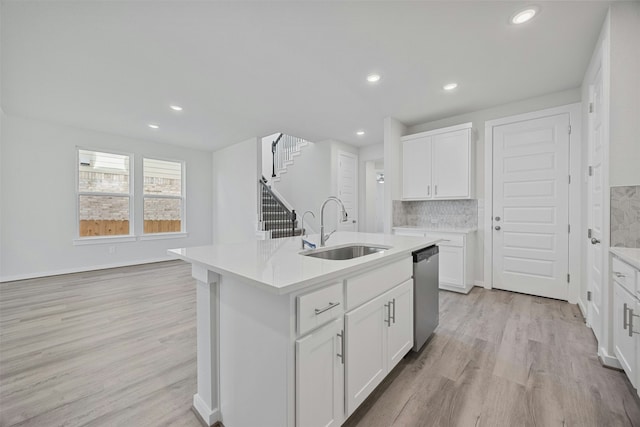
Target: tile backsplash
<point x="436" y="213"/>
<point x="625" y="216"/>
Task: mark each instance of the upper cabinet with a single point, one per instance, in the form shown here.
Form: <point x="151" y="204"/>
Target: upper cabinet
<point x="438" y="164"/>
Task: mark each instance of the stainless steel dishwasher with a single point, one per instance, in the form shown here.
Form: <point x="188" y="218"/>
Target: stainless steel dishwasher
<point x="425" y="295"/>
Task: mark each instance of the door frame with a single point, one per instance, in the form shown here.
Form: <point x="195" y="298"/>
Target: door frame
<point x="575" y="192"/>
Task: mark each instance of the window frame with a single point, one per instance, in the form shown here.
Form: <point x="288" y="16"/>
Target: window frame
<point x="182" y="197"/>
<point x="81" y="240"/>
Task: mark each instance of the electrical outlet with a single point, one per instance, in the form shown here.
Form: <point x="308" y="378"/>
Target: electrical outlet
<point x="112" y="249"/>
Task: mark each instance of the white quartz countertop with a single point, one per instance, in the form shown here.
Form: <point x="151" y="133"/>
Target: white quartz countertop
<point x="629" y="255"/>
<point x="437" y="230"/>
<point x="277" y="265"/>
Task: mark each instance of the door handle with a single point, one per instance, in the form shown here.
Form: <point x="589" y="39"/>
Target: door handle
<point x="594" y="241"/>
<point x="388" y="319"/>
<point x="497" y="227"/>
<point x="497" y="218"/>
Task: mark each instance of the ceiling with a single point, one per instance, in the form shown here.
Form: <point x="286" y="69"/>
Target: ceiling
<point x="243" y="69"/>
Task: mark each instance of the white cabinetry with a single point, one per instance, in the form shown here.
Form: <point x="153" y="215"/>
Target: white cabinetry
<point x="320" y="377"/>
<point x="350" y="352"/>
<point x="416" y="168"/>
<point x="438" y="164"/>
<point x="379" y="334"/>
<point x="456" y="270"/>
<point x="626" y="318"/>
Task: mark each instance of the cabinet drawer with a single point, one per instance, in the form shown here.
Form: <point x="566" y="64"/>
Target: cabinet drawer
<point x="624" y="274"/>
<point x="367" y="286"/>
<point x="456" y="240"/>
<point x="318" y="307"/>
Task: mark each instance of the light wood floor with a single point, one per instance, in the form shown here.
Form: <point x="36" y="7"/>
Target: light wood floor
<point x="117" y="348"/>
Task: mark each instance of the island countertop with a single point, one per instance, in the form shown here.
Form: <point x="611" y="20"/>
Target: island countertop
<point x="276" y="265"/>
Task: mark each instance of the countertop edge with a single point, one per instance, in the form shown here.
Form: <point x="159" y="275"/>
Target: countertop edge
<point x="619" y="252"/>
<point x="431" y="230"/>
<point x="298" y="286"/>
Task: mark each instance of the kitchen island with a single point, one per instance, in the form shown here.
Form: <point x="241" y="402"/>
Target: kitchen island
<point x="286" y="339"/>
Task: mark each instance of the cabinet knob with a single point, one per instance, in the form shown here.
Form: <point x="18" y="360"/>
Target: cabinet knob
<point x="497" y="227"/>
<point x="497" y="218"/>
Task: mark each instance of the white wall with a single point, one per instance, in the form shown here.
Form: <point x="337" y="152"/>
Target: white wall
<point x="393" y="131"/>
<point x="38" y="182"/>
<point x="236" y="171"/>
<point x="624" y="154"/>
<point x="311" y="179"/>
<point x="307" y="182"/>
<point x="393" y="151"/>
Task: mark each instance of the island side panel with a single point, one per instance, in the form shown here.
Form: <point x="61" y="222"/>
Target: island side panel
<point x="256" y="356"/>
<point x="206" y="401"/>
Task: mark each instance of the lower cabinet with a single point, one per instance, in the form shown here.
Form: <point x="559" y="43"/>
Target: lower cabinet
<point x="626" y="319"/>
<point x="451" y="266"/>
<point x="456" y="257"/>
<point x="623" y="344"/>
<point x="379" y="333"/>
<point x="320" y="376"/>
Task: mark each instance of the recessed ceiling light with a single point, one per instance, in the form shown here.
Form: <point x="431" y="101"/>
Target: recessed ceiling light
<point x="523" y="16"/>
<point x="175" y="107"/>
<point x="450" y="86"/>
<point x="373" y="78"/>
<point x="153" y="126"/>
<point x="360" y="133"/>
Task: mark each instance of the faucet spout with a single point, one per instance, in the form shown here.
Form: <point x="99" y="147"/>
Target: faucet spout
<point x="303" y="232"/>
<point x="323" y="237"/>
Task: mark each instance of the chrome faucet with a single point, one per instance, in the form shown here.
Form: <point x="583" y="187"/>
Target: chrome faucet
<point x="304" y="232"/>
<point x="323" y="237"/>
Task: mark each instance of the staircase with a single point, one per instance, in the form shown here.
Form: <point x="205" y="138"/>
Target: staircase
<point x="284" y="149"/>
<point x="273" y="216"/>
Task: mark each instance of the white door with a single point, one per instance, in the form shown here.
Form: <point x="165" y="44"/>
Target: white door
<point x="348" y="189"/>
<point x="416" y="168"/>
<point x="451" y="165"/>
<point x="400" y="329"/>
<point x="365" y="350"/>
<point x="624" y="346"/>
<point x="595" y="254"/>
<point x="320" y="377"/>
<point x="531" y="206"/>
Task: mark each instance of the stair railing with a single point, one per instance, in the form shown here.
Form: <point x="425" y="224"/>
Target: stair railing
<point x="278" y="220"/>
<point x="282" y="151"/>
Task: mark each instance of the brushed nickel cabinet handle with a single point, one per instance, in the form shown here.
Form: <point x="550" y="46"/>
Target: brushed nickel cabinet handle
<point x="388" y="319"/>
<point x="341" y="354"/>
<point x="329" y="307"/>
<point x="624" y="316"/>
<point x="394" y="311"/>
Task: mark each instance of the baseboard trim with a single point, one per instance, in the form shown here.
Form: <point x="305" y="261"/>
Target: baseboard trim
<point x="608" y="360"/>
<point x="16" y="277"/>
<point x="583" y="309"/>
<point x="478" y="283"/>
<point x="207" y="415"/>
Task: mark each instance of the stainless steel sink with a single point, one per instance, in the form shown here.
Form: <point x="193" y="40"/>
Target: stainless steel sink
<point x="345" y="252"/>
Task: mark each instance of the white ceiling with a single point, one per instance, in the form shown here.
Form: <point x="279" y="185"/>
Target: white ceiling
<point x="243" y="69"/>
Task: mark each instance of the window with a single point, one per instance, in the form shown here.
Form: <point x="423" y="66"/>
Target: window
<point x="163" y="196"/>
<point x="104" y="194"/>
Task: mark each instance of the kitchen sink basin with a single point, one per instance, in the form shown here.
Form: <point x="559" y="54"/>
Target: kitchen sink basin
<point x="345" y="252"/>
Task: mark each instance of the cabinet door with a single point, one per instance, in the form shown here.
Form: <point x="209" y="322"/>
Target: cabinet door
<point x="624" y="346"/>
<point x="451" y="166"/>
<point x="366" y="333"/>
<point x="320" y="377"/>
<point x="400" y="330"/>
<point x="416" y="168"/>
<point x="451" y="265"/>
